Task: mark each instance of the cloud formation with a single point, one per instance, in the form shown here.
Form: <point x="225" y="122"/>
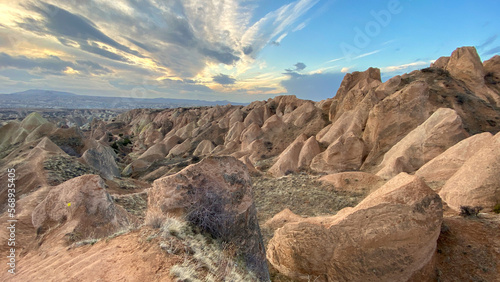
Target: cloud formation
<point x="131" y="41"/>
<point x="223" y="79"/>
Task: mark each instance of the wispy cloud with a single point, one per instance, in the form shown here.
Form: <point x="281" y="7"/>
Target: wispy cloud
<point x="211" y="43"/>
<point x="487" y="42"/>
<point x="367" y="54"/>
<point x="404" y="67"/>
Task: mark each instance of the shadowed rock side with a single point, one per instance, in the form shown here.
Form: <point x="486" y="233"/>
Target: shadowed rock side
<point x="389" y="236"/>
<point x="216" y="196"/>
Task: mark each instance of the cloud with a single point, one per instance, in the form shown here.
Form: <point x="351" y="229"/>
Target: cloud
<point x="404" y="67"/>
<point x="50" y="65"/>
<point x="317" y="86"/>
<point x="487" y="42"/>
<point x="66" y="25"/>
<point x="300" y="26"/>
<point x="224" y="79"/>
<point x="367" y="54"/>
<point x="492" y="51"/>
<point x="345" y="69"/>
<point x="295" y="72"/>
<point x="300" y="66"/>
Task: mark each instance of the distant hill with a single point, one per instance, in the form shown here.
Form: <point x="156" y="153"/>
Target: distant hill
<point x="63" y="100"/>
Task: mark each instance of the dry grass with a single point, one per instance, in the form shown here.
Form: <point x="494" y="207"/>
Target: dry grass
<point x="205" y="259"/>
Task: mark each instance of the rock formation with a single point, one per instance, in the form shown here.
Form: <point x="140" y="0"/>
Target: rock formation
<point x="215" y="195"/>
<point x="84" y="208"/>
<point x="389" y="236"/>
<point x="476" y="182"/>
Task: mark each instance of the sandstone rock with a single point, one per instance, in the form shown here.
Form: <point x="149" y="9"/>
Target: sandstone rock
<point x="32" y="121"/>
<point x="250" y="134"/>
<point x="186" y="131"/>
<point x="393" y="118"/>
<point x="441" y="63"/>
<point x="477" y="181"/>
<point x="390" y="236"/>
<point x="257" y="115"/>
<point x="215" y="194"/>
<point x="440" y="131"/>
<point x="180" y="149"/>
<point x="248" y="163"/>
<point x="288" y="160"/>
<point x="49" y="146"/>
<point x="442" y="167"/>
<point x="492" y="73"/>
<point x="345" y="154"/>
<point x="308" y="152"/>
<point x="204" y="148"/>
<point x="83" y="205"/>
<point x="236" y="116"/>
<point x="102" y="158"/>
<point x="43" y="130"/>
<point x="273" y="124"/>
<point x="352" y="90"/>
<point x="301" y="115"/>
<point x="136" y="166"/>
<point x="353" y="181"/>
<point x="280" y="219"/>
<point x="234" y="132"/>
<point x="466" y="65"/>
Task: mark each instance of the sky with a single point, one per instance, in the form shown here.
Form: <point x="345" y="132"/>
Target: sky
<point x="236" y="50"/>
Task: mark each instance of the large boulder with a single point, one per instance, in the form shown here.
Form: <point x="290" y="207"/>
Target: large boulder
<point x="441" y="168"/>
<point x="84" y="208"/>
<point x="390" y="236"/>
<point x="440" y="131"/>
<point x="477" y="182"/>
<point x="216" y="195"/>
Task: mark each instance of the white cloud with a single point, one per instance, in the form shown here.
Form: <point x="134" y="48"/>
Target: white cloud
<point x="345" y="69"/>
<point x="367" y="54"/>
<point x="404" y="66"/>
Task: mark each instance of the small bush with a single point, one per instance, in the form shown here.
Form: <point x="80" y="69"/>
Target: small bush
<point x="496" y="208"/>
<point x="208" y="213"/>
<point x="155" y="220"/>
<point x="468" y="211"/>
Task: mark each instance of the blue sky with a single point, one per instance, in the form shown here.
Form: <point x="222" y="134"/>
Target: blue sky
<point x="237" y="50"/>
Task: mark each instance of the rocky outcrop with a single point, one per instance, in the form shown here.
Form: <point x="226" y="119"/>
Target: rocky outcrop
<point x="216" y="195"/>
<point x="476" y="182"/>
<point x="84" y="208"/>
<point x="352" y="90"/>
<point x="204" y="148"/>
<point x="102" y="158"/>
<point x="308" y="152"/>
<point x="288" y="161"/>
<point x="390" y="236"/>
<point x="442" y="167"/>
<point x="440" y="131"/>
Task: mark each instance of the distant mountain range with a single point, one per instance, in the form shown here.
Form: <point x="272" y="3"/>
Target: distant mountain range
<point x="63" y="100"/>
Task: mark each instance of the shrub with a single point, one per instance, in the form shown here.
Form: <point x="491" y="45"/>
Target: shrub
<point x="208" y="212"/>
<point x="467" y="211"/>
<point x="155" y="220"/>
<point x="496" y="208"/>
